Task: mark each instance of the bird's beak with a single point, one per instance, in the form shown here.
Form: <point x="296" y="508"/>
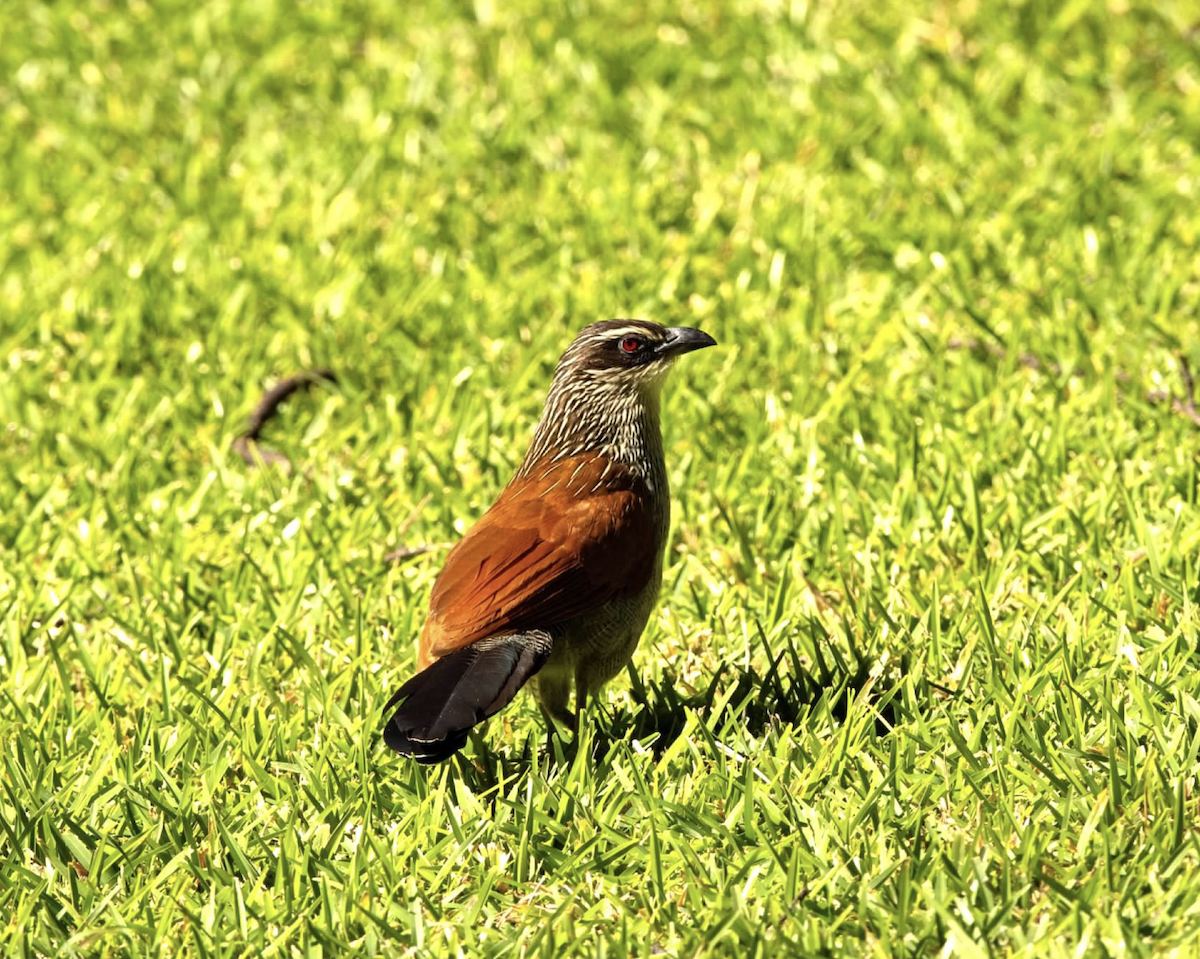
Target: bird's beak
<point x="683" y="339"/>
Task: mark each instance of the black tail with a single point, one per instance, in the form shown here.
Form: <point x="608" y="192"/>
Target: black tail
<point x="440" y="704"/>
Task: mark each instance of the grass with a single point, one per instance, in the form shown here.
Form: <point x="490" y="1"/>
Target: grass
<point x="924" y="679"/>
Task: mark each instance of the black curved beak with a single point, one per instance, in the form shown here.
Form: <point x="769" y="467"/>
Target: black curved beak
<point x="684" y="339"/>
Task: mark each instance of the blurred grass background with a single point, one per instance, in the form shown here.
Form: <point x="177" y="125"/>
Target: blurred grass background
<point x="924" y="679"/>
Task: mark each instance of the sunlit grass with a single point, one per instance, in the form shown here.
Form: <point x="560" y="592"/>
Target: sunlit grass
<point x="924" y="676"/>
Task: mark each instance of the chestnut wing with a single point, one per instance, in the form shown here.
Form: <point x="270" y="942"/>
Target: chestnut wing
<point x="547" y="551"/>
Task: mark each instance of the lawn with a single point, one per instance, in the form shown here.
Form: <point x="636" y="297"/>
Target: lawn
<point x="924" y="679"/>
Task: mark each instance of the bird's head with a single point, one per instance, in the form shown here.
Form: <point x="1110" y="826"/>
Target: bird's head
<point x="627" y="355"/>
<point x="605" y="394"/>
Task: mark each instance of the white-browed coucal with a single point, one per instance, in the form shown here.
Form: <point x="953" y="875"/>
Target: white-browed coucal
<point x="555" y="583"/>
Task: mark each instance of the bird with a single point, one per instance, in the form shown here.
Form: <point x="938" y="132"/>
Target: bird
<point x="554" y="584"/>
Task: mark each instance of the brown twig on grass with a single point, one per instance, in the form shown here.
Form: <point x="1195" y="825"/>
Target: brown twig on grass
<point x="1029" y="360"/>
<point x="248" y="445"/>
<point x="1186" y="406"/>
<point x="252" y="451"/>
<point x="408" y="552"/>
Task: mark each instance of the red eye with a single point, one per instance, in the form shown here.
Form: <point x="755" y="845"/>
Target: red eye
<point x="631" y="344"/>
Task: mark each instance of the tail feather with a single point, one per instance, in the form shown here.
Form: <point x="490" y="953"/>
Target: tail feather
<point x="440" y="704"/>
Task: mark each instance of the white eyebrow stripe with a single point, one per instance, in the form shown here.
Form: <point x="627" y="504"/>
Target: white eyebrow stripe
<point x="628" y="331"/>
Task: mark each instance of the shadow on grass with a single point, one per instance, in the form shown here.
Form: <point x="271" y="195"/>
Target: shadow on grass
<point x="756" y="702"/>
<point x="789" y="692"/>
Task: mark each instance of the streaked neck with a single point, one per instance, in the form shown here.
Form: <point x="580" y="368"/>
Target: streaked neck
<point x="603" y="419"/>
